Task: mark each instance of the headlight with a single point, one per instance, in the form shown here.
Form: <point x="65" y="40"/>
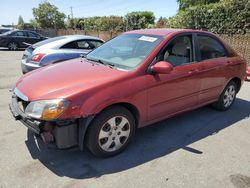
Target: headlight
<point x="46" y="109"/>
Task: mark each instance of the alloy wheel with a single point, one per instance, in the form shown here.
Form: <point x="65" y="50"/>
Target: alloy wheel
<point x="229" y="96"/>
<point x="12" y="46"/>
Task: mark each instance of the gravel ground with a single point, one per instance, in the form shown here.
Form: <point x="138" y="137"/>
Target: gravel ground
<point x="202" y="148"/>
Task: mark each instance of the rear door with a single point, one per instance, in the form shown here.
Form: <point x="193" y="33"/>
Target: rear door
<point x="33" y="38"/>
<point x="212" y="64"/>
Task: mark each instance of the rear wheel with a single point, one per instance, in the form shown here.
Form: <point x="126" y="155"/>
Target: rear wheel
<point x="12" y="46"/>
<point x="227" y="97"/>
<point x="110" y="132"/>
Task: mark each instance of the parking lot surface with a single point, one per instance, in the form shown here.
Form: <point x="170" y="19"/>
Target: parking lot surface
<point x="201" y="148"/>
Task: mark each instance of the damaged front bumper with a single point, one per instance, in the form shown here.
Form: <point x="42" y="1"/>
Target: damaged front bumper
<point x="66" y="133"/>
<point x="18" y="114"/>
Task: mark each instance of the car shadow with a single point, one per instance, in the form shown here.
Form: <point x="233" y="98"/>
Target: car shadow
<point x="151" y="142"/>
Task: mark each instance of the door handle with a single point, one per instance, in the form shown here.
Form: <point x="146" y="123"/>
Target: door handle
<point x="193" y="71"/>
<point x="229" y="62"/>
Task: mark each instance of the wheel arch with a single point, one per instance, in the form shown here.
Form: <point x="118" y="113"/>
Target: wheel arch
<point x="132" y="108"/>
<point x="84" y="124"/>
<point x="237" y="81"/>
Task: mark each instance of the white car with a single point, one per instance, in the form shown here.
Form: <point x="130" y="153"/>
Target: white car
<point x="58" y="49"/>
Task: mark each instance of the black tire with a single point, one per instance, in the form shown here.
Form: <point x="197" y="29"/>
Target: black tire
<point x="13" y="46"/>
<point x="101" y="125"/>
<point x="221" y="104"/>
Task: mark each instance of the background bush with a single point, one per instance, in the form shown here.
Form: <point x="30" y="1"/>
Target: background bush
<point x="226" y="16"/>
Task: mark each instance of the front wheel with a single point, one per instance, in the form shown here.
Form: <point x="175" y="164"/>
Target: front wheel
<point x="227" y="97"/>
<point x="110" y="132"/>
<point x="12" y="46"/>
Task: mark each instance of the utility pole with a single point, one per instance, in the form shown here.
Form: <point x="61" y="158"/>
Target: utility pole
<point x="71" y="9"/>
<point x="72" y="16"/>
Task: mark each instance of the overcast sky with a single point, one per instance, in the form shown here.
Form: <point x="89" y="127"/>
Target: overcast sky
<point x="11" y="9"/>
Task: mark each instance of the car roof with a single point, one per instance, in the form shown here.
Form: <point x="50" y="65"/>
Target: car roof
<point x="163" y="31"/>
<point x="75" y="37"/>
<point x="57" y="42"/>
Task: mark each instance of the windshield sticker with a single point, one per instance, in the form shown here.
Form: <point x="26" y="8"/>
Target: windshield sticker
<point x="148" y="39"/>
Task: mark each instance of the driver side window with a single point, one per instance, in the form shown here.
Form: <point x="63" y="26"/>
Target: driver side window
<point x="178" y="52"/>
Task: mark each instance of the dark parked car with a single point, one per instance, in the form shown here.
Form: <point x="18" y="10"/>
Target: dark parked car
<point x="57" y="49"/>
<point x="134" y="80"/>
<point x="4" y="30"/>
<point x="19" y="39"/>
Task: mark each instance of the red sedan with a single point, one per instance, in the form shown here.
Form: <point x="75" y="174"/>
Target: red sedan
<point x="133" y="80"/>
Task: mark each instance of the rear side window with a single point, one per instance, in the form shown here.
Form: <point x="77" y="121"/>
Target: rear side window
<point x="96" y="43"/>
<point x="71" y="45"/>
<point x="33" y="35"/>
<point x="83" y="44"/>
<point x="88" y="44"/>
<point x="210" y="48"/>
<point x="18" y="34"/>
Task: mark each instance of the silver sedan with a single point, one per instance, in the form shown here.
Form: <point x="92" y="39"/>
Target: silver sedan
<point x="57" y="49"/>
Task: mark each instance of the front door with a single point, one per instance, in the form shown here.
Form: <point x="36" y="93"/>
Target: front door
<point x="177" y="91"/>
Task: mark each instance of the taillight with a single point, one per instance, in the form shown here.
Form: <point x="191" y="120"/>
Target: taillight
<point x="37" y="57"/>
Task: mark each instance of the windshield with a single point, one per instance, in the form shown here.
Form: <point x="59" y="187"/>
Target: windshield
<point x="125" y="51"/>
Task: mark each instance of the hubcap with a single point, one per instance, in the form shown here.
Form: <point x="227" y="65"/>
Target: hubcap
<point x="229" y="96"/>
<point x="12" y="46"/>
<point x="114" y="133"/>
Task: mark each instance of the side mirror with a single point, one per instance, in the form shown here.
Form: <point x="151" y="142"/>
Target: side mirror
<point x="162" y="67"/>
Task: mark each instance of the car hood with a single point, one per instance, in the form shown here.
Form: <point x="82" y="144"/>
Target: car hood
<point x="66" y="79"/>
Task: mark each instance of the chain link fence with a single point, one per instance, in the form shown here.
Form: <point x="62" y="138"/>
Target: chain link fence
<point x="241" y="43"/>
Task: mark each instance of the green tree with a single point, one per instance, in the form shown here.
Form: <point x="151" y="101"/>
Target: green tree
<point x="226" y="16"/>
<point x="162" y="23"/>
<point x="91" y="23"/>
<point x="72" y="23"/>
<point x="20" y="23"/>
<point x="48" y="16"/>
<point x="110" y="23"/>
<point x="139" y="20"/>
<point x="80" y="24"/>
<point x="183" y="4"/>
<point x="34" y="24"/>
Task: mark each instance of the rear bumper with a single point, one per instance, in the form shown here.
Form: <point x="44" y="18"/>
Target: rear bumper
<point x="27" y="67"/>
<point x="18" y="114"/>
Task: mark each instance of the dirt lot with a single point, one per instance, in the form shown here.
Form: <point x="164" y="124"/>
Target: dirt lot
<point x="202" y="148"/>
